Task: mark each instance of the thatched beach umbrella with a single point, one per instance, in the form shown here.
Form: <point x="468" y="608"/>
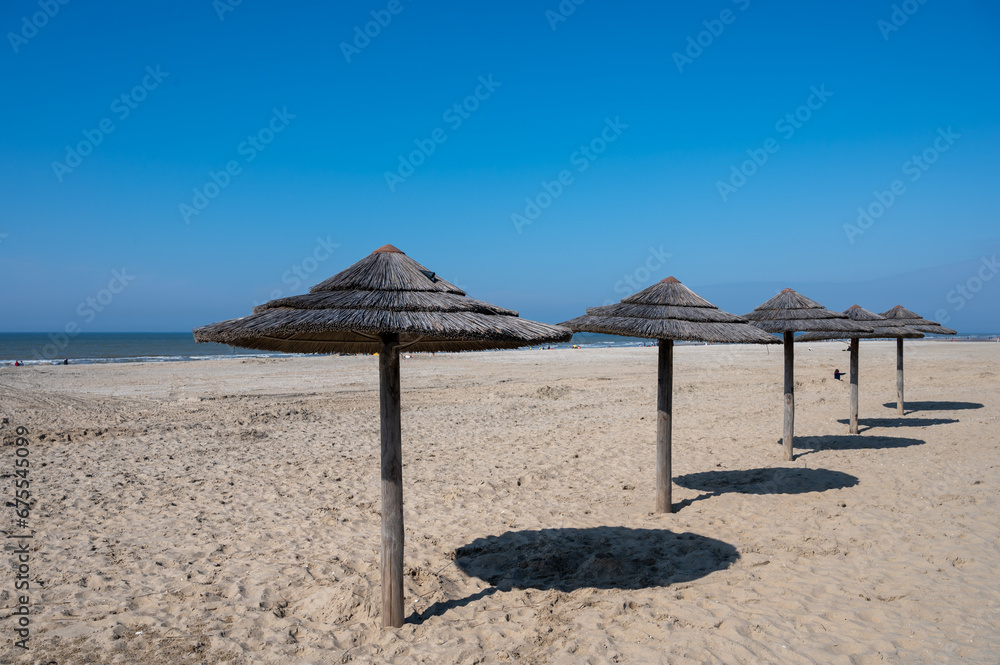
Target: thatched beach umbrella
<point x="788" y="313"/>
<point x="912" y="320"/>
<point x="382" y="304"/>
<point x="883" y="329"/>
<point x="667" y="311"/>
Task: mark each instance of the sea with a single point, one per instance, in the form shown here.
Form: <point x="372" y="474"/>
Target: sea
<point x="93" y="348"/>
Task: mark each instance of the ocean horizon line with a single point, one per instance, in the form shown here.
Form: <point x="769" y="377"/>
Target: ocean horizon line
<point x="88" y="348"/>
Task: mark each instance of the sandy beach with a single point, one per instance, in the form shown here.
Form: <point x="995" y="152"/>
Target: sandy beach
<point x="228" y="510"/>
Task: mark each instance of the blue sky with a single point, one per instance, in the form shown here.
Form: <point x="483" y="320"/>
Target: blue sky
<point x="593" y="152"/>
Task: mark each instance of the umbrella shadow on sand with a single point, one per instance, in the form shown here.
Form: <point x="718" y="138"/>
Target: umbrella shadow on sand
<point x="763" y="481"/>
<point x="936" y="406"/>
<point x="853" y="442"/>
<point x="605" y="557"/>
<point x="865" y="424"/>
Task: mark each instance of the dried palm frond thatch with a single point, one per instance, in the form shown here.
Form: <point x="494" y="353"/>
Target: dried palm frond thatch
<point x="913" y="320"/>
<point x="386" y="292"/>
<point x="883" y="328"/>
<point x="790" y="312"/>
<point x="793" y="312"/>
<point x="671" y="311"/>
<point x="381" y="304"/>
<point x="668" y="311"/>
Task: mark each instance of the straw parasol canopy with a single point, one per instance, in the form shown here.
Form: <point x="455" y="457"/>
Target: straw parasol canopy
<point x="912" y="320"/>
<point x="668" y="311"/>
<point x="385" y="292"/>
<point x="790" y="312"/>
<point x="903" y="316"/>
<point x="382" y="304"/>
<point x="882" y="328"/>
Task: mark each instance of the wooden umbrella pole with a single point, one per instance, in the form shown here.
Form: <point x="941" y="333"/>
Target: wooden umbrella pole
<point x="392" y="482"/>
<point x="855" y="344"/>
<point x="788" y="438"/>
<point x="664" y="416"/>
<point x="899" y="376"/>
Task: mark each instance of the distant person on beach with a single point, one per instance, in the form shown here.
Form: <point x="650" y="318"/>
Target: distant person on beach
<point x="837" y="374"/>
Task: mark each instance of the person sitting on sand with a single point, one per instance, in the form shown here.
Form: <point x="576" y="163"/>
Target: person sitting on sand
<point x="837" y="374"/>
